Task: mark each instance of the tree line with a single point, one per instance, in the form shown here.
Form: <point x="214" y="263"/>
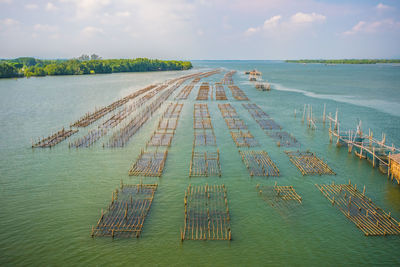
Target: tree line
<point x="345" y="61"/>
<point x="29" y="66"/>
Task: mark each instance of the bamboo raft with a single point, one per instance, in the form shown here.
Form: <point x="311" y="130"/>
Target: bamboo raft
<point x="308" y="163"/>
<point x="149" y="163"/>
<point x="54" y="139"/>
<point x="185" y="92"/>
<point x="280" y="196"/>
<point x="283" y="138"/>
<point x="205" y="164"/>
<point x="201" y="117"/>
<point x="161" y="138"/>
<point x="259" y="163"/>
<point x="268" y="124"/>
<point x="359" y="209"/>
<point x="123" y="135"/>
<point x="235" y="124"/>
<point x="220" y="92"/>
<point x="244" y="139"/>
<point x="204" y="138"/>
<point x="206" y="213"/>
<point x="127" y="211"/>
<point x="227" y="111"/>
<point x="89" y="118"/>
<point x="255" y="111"/>
<point x="203" y="91"/>
<point x="228" y="77"/>
<point x="237" y="93"/>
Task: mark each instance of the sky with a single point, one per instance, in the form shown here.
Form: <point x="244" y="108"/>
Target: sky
<point x="201" y="29"/>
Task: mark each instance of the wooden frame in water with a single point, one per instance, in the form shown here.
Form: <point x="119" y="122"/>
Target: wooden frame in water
<point x="127" y="211"/>
<point x="259" y="163"/>
<point x="206" y="213"/>
<point x="280" y="196"/>
<point x="308" y="163"/>
<point x="359" y="209"/>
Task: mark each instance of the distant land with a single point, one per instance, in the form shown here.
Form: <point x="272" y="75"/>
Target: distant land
<point x="345" y="61"/>
<point x="29" y="66"/>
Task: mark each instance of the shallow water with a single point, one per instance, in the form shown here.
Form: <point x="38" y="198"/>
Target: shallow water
<point x="51" y="198"/>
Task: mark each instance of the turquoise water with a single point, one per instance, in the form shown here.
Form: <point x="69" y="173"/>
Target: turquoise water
<point x="51" y="198"/>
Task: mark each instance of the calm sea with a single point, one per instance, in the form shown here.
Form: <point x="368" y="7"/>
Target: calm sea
<point x="51" y="198"/>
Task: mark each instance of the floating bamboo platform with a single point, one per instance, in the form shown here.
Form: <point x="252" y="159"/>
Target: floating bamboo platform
<point x="228" y="77"/>
<point x="244" y="139"/>
<point x="308" y="163"/>
<point x="220" y="92"/>
<point x="280" y="196"/>
<point x="89" y="118"/>
<point x="227" y="111"/>
<point x="201" y="111"/>
<point x="185" y="92"/>
<point x="205" y="164"/>
<point x="268" y="124"/>
<point x="235" y="124"/>
<point x="123" y="135"/>
<point x="359" y="209"/>
<point x="255" y="111"/>
<point x="149" y="163"/>
<point x="161" y="138"/>
<point x="54" y="139"/>
<point x="237" y="93"/>
<point x="127" y="211"/>
<point x="203" y="91"/>
<point x="259" y="163"/>
<point x="206" y="213"/>
<point x="204" y="138"/>
<point x="283" y="138"/>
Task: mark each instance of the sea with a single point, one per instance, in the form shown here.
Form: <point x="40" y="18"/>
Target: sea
<point x="51" y="198"/>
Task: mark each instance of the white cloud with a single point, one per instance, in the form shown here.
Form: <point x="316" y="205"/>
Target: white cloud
<point x="90" y="31"/>
<point x="382" y="7"/>
<point x="31" y="6"/>
<point x="272" y="22"/>
<point x="123" y="14"/>
<point x="9" y="22"/>
<point x="301" y="17"/>
<point x="6" y="1"/>
<point x="289" y="26"/>
<point x="51" y="7"/>
<point x="373" y="27"/>
<point x="45" y="28"/>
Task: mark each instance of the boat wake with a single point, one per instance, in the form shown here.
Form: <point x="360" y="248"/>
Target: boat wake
<point x="392" y="108"/>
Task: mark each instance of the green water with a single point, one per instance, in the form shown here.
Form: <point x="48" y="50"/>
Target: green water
<point x="51" y="198"/>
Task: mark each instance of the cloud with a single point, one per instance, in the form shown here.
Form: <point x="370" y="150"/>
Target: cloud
<point x="382" y="7"/>
<point x="123" y="14"/>
<point x="9" y="22"/>
<point x="276" y="24"/>
<point x="31" y="6"/>
<point x="301" y="17"/>
<point x="272" y="22"/>
<point x="373" y="27"/>
<point x="51" y="7"/>
<point x="91" y="31"/>
<point x="6" y="1"/>
<point x="45" y="28"/>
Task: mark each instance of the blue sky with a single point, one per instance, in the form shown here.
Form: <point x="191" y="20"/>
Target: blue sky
<point x="201" y="29"/>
